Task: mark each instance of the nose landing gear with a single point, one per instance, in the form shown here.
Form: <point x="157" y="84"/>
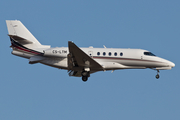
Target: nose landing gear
<point x="157" y="76"/>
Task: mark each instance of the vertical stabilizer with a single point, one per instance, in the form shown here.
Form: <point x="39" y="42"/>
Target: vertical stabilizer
<point x="19" y="33"/>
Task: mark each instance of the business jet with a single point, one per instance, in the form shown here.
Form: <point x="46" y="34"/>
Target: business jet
<point x="80" y="62"/>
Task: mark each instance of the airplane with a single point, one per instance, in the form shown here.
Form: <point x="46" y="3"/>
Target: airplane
<point x="80" y="62"/>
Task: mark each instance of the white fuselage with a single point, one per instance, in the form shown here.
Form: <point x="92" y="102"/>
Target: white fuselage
<point x="109" y="58"/>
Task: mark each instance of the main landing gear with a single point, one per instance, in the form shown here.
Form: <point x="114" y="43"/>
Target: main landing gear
<point x="157" y="76"/>
<point x="85" y="75"/>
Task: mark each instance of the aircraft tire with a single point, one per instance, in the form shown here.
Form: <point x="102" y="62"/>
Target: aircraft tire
<point x="84" y="78"/>
<point x="157" y="76"/>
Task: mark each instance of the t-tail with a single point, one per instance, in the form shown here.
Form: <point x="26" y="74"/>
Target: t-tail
<point x="23" y="43"/>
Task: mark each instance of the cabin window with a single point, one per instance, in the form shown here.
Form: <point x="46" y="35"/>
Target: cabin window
<point x="104" y="53"/>
<point x="149" y="54"/>
<point x="121" y="54"/>
<point x="98" y="53"/>
<point x="109" y="53"/>
<point x="115" y="54"/>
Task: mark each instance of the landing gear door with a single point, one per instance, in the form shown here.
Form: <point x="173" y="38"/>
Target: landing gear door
<point x="90" y="53"/>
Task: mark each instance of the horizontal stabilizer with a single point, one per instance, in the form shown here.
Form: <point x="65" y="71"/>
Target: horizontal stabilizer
<point x="20" y="39"/>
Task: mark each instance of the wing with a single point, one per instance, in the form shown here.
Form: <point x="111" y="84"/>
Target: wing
<point x="77" y="59"/>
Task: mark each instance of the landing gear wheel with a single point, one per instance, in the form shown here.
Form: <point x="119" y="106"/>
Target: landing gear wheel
<point x="85" y="75"/>
<point x="84" y="78"/>
<point x="157" y="76"/>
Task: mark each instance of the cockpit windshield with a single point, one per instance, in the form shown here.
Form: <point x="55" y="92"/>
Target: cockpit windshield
<point x="149" y="54"/>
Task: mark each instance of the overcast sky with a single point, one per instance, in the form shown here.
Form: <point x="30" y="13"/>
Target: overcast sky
<point x="34" y="92"/>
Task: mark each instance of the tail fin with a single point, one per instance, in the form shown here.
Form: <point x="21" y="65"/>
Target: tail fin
<point x="19" y="33"/>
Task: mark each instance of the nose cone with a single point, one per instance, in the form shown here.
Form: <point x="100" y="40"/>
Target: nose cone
<point x="171" y="64"/>
<point x="166" y="63"/>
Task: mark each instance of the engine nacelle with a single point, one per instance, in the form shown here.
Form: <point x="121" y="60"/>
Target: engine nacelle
<point x="21" y="54"/>
<point x="56" y="52"/>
